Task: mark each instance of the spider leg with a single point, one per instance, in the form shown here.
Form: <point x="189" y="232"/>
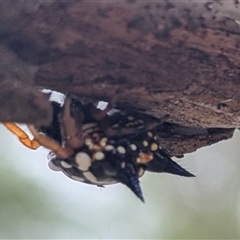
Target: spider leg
<point x="62" y="152"/>
<point x="72" y="127"/>
<point x="123" y="131"/>
<point x="110" y="132"/>
<point x="99" y="114"/>
<point x="22" y="136"/>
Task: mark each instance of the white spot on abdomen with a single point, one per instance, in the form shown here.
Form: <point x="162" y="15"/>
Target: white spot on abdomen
<point x="83" y="161"/>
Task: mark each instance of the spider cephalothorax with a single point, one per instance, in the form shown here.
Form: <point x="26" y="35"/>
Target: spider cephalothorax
<point x="104" y="147"/>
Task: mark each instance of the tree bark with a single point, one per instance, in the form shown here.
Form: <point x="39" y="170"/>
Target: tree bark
<point x="162" y="57"/>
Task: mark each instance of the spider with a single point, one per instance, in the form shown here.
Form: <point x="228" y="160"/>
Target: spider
<point x="101" y="147"/>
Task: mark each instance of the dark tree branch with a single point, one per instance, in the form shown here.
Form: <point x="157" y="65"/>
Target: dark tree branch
<point x="162" y="57"/>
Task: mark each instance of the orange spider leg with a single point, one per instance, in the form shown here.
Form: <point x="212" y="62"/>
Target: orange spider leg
<point x="60" y="151"/>
<point x="22" y="136"/>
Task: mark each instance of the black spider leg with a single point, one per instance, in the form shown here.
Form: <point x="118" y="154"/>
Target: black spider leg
<point x="129" y="177"/>
<point x="163" y="163"/>
<point x="54" y="130"/>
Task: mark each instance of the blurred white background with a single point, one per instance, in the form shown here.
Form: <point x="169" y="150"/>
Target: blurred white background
<point x="36" y="202"/>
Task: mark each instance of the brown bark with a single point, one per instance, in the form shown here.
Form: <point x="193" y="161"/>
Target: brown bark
<point x="161" y="57"/>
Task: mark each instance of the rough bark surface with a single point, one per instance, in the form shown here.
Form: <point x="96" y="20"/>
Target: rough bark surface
<point x="162" y="57"/>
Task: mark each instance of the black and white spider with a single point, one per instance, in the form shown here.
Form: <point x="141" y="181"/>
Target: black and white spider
<point x="102" y="147"/>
